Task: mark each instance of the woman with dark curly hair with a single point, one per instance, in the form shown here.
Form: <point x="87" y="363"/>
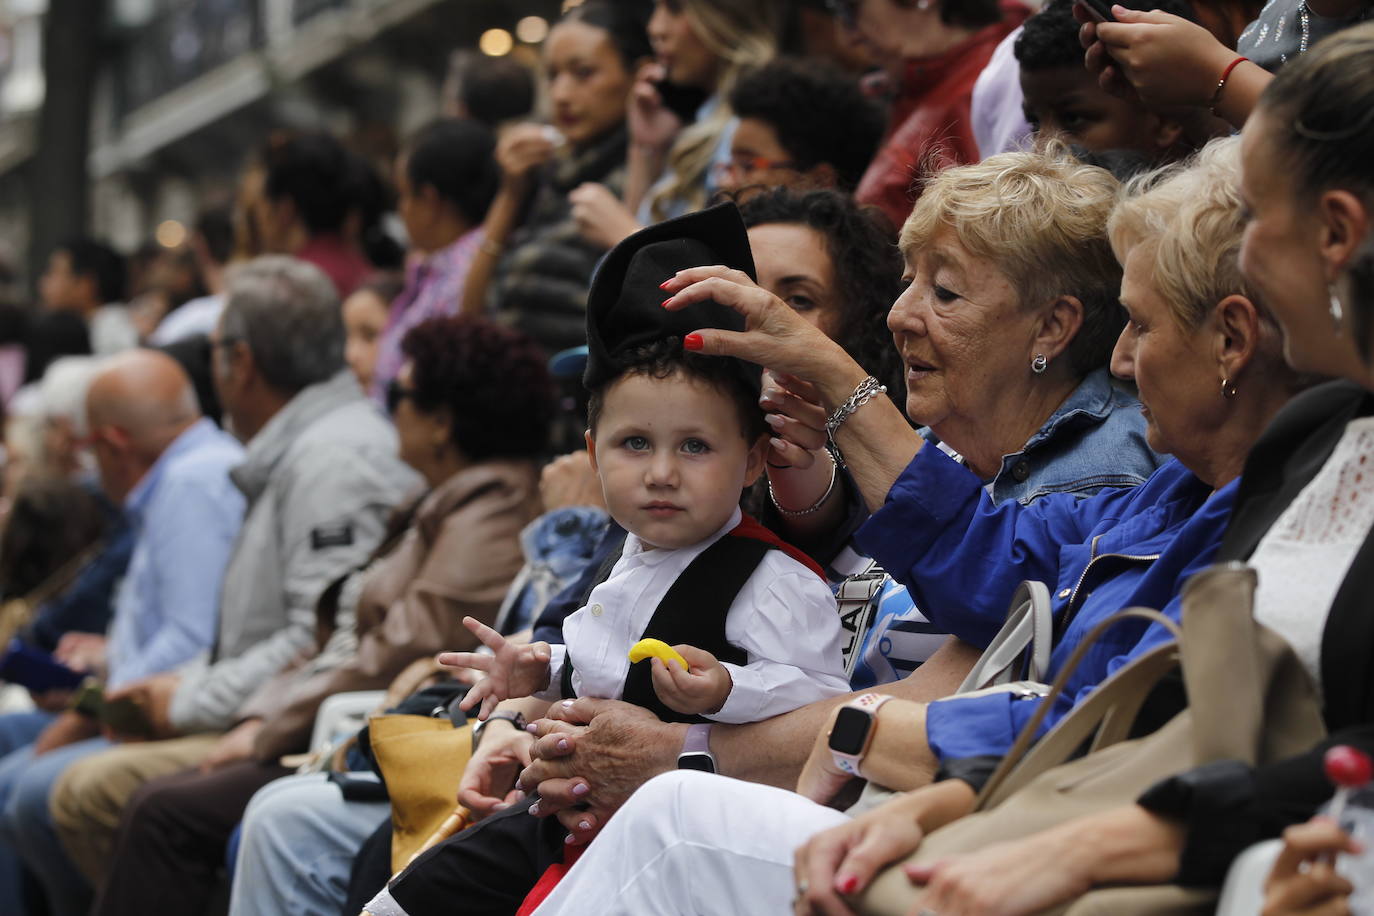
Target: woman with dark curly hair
<point x="836" y="264"/>
<point x="472" y="406"/>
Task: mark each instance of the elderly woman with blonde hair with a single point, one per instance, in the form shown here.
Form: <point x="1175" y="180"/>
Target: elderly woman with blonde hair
<point x="1209" y="367"/>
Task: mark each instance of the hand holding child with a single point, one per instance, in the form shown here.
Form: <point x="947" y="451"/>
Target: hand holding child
<point x="702" y="688"/>
<point x="511" y="670"/>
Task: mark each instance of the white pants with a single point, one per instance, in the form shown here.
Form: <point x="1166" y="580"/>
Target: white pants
<point x="697" y="845"/>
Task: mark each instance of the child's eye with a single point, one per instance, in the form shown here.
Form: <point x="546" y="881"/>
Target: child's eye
<point x="636" y="443"/>
<point x="695" y="447"/>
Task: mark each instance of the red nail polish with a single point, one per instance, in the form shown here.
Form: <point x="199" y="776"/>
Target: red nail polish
<point x="847" y="885"/>
<point x="693" y="342"/>
<point x="664" y="284"/>
<point x="665" y="302"/>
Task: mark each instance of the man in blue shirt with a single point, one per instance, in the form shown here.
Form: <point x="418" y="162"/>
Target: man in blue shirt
<point x="169" y="467"/>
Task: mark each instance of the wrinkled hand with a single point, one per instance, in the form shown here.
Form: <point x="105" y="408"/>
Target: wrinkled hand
<point x="1162" y="59"/>
<point x="569" y="480"/>
<point x="488" y="783"/>
<point x="591" y="755"/>
<point x="154" y="694"/>
<point x="1303" y="881"/>
<point x="1016" y="878"/>
<point x="651" y="124"/>
<point x="512" y="670"/>
<point x="81" y="651"/>
<point x="702" y="689"/>
<point x="68" y="728"/>
<point x="601" y="217"/>
<point x="774" y="335"/>
<point x="522" y="149"/>
<point x="797" y="419"/>
<point x="233" y="747"/>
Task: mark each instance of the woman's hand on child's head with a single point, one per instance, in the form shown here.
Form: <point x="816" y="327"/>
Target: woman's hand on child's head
<point x="703" y="688"/>
<point x="511" y="670"/>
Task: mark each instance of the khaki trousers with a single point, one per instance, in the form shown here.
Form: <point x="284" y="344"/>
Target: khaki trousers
<point x="88" y="798"/>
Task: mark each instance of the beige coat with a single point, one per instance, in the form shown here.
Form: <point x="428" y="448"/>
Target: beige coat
<point x="457" y="558"/>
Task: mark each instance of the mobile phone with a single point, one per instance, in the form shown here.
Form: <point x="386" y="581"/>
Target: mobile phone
<point x="1101" y="10"/>
<point x="681" y="100"/>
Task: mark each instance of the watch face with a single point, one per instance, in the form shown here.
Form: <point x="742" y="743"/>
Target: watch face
<point x="851" y="728"/>
<point x="696" y="760"/>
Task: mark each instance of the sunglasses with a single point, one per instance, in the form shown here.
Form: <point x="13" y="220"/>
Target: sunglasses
<point x="395" y="394"/>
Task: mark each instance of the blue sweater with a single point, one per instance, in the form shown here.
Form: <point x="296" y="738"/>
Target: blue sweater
<point x="962" y="558"/>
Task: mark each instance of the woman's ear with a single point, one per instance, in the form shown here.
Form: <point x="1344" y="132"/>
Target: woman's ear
<point x="1237" y="330"/>
<point x="1059" y="325"/>
<point x="1345" y="225"/>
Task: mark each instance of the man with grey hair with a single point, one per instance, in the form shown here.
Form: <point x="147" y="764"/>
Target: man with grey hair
<point x="168" y="468"/>
<point x="321" y="475"/>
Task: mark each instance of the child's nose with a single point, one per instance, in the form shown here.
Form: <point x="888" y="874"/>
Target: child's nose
<point x="662" y="469"/>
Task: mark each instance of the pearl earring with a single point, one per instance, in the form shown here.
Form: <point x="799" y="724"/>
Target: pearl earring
<point x="1336" y="309"/>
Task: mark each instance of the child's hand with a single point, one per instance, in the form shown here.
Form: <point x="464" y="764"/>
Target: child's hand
<point x="512" y="670"/>
<point x="700" y="690"/>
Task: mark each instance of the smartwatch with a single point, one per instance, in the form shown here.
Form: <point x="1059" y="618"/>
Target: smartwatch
<point x="696" y="749"/>
<point x="852" y="732"/>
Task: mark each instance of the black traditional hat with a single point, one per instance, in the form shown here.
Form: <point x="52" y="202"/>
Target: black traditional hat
<point x="624" y="306"/>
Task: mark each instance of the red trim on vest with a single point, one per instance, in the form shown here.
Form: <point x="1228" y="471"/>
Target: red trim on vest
<point x="750" y="527"/>
<point x="549" y="880"/>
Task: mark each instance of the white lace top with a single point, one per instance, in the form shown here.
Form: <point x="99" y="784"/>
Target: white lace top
<point x="1304" y="558"/>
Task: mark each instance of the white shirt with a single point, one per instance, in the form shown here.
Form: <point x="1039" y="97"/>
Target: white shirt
<point x="784" y="617"/>
<point x="1304" y="557"/>
<point x="199" y="316"/>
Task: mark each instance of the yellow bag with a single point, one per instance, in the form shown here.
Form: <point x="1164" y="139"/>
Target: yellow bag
<point x="422" y="760"/>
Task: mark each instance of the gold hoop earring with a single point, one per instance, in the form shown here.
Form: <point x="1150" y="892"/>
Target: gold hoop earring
<point x="1228" y="389"/>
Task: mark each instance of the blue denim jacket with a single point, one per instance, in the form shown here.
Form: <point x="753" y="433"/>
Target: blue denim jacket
<point x="1093" y="441"/>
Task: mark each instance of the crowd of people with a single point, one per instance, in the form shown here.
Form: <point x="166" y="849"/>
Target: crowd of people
<point x="726" y="494"/>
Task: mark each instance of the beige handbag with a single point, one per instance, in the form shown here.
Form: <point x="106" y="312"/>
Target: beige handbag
<point x="422" y="759"/>
<point x="1249" y="700"/>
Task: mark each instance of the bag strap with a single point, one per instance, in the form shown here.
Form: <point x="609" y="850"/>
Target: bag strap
<point x="1021" y="649"/>
<point x="1082" y="720"/>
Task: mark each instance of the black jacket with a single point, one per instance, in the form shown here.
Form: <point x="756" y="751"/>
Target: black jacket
<point x="1228" y="805"/>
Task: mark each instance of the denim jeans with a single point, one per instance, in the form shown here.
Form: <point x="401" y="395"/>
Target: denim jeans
<point x="299" y="839"/>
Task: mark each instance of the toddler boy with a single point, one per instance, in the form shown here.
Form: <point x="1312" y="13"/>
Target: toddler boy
<point x="674" y="438"/>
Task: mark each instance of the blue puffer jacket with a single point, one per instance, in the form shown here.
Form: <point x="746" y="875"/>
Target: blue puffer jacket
<point x="962" y="558"/>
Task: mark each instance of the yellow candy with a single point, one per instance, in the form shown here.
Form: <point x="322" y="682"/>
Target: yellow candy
<point x="656" y="648"/>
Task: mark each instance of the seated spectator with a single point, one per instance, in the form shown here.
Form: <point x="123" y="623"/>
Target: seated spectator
<point x="212" y="245"/>
<point x="802" y="124"/>
<point x="931" y="54"/>
<point x="1189" y="331"/>
<point x="1060" y="263"/>
<point x="472" y="407"/>
<point x="1062" y="99"/>
<point x="365" y="315"/>
<point x="674" y="441"/>
<point x="679" y="118"/>
<point x="490" y="90"/>
<point x="320" y="475"/>
<point x="87" y="277"/>
<point x="308" y="190"/>
<point x="535" y="266"/>
<point x="169" y="469"/>
<point x="445" y="179"/>
<point x="1307" y="143"/>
